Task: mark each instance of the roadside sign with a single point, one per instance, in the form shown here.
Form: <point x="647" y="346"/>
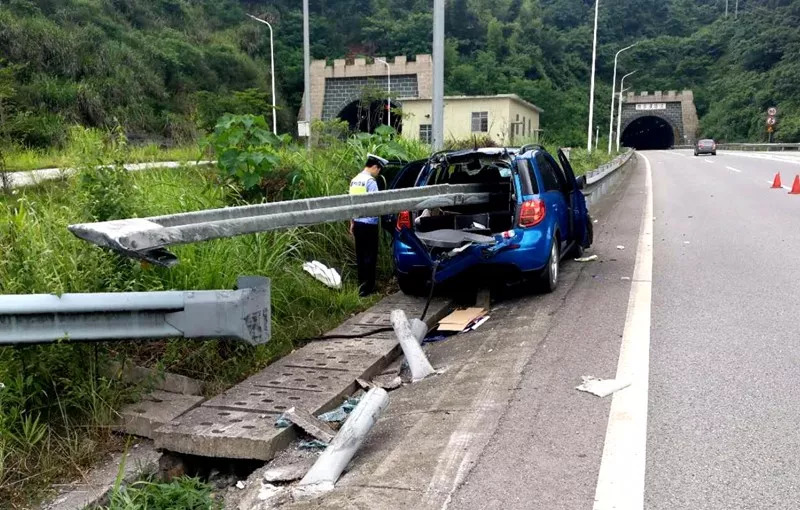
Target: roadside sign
<point x="770" y="121"/>
<point x="769" y="129"/>
<point x="772" y="111"/>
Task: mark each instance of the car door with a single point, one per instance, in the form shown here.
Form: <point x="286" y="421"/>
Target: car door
<point x="552" y="192"/>
<point x="577" y="200"/>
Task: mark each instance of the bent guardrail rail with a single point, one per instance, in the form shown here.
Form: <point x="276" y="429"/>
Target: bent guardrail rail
<point x="147" y="238"/>
<point x="242" y="314"/>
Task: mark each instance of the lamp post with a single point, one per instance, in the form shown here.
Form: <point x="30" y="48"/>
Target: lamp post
<point x="389" y="87"/>
<point x="613" y="95"/>
<point x="619" y="115"/>
<point x="437" y="109"/>
<point x="306" y="75"/>
<point x="591" y="86"/>
<point x="271" y="71"/>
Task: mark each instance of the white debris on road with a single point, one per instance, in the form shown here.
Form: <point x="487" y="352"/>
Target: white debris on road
<point x="586" y="259"/>
<point x="240" y="484"/>
<point x="601" y="387"/>
<point x="620" y="247"/>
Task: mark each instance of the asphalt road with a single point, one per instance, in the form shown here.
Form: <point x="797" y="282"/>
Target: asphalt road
<point x="724" y="353"/>
<point x="502" y="426"/>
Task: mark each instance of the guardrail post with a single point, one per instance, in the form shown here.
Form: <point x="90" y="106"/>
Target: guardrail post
<point x="329" y="466"/>
<point x="417" y="361"/>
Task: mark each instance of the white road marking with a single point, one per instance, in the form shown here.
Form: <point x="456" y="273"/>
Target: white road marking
<point x="783" y="186"/>
<point x="733" y="169"/>
<point x="620" y="483"/>
<point x="772" y="157"/>
<point x="708" y="161"/>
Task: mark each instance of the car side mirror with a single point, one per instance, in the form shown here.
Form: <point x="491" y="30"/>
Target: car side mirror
<point x="581" y="182"/>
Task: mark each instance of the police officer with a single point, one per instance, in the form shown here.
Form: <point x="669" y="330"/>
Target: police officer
<point x="365" y="231"/>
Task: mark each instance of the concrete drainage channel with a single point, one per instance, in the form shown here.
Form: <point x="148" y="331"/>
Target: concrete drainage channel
<point x="237" y="428"/>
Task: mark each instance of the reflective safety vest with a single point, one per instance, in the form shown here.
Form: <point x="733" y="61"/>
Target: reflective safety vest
<point x="364" y="183"/>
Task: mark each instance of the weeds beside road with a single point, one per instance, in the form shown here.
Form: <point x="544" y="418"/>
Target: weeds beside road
<point x="57" y="404"/>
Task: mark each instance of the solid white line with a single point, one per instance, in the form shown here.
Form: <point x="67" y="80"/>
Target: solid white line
<point x="708" y="161"/>
<point x="620" y="483"/>
<point x="733" y="169"/>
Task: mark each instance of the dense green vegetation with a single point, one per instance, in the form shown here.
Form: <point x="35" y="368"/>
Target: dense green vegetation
<point x="56" y="401"/>
<point x="167" y="69"/>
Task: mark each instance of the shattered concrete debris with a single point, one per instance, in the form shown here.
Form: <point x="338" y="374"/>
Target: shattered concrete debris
<point x="601" y="387"/>
<point x="310" y="424"/>
<point x="288" y="473"/>
<point x="387" y="382"/>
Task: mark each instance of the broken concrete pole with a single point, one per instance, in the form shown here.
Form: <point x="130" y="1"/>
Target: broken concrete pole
<point x="419" y="329"/>
<point x="417" y="361"/>
<point x="310" y="424"/>
<point x="328" y="468"/>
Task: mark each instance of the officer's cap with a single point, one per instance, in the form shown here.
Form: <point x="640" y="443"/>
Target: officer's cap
<point x="373" y="160"/>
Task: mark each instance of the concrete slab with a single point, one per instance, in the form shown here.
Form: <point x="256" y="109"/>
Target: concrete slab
<point x="273" y="401"/>
<point x="304" y="379"/>
<point x="154" y="410"/>
<point x="93" y="488"/>
<point x="316" y="378"/>
<point x="213" y="432"/>
<point x="160" y="380"/>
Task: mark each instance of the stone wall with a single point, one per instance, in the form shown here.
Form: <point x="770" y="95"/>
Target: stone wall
<point x="680" y="112"/>
<point x="335" y="86"/>
<point x="340" y="92"/>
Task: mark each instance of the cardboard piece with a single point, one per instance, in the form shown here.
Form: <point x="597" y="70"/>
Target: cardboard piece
<point x="460" y="319"/>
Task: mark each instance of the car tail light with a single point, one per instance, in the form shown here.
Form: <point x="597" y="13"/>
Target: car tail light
<point x="403" y="220"/>
<point x="531" y="213"/>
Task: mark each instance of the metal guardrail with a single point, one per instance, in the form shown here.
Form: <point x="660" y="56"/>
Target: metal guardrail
<point x="147" y="238"/>
<point x="242" y="314"/>
<point x="768" y="147"/>
<point x="603" y="171"/>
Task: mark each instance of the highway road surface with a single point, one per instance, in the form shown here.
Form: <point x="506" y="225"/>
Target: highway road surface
<point x="694" y="300"/>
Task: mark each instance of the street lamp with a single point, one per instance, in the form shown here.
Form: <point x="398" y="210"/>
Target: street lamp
<point x="389" y="93"/>
<point x="613" y="95"/>
<point x="619" y="115"/>
<point x="591" y="86"/>
<point x="271" y="71"/>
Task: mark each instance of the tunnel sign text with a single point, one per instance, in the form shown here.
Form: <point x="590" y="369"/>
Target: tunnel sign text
<point x="651" y="106"/>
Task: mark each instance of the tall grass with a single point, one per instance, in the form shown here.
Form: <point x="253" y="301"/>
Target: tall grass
<point x="20" y="158"/>
<point x="57" y="404"/>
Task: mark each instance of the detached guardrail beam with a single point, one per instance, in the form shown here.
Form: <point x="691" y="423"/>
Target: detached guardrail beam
<point x="147" y="238"/>
<point x="242" y="314"/>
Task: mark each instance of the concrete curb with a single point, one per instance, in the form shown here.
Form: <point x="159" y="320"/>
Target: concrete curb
<point x="34" y="177"/>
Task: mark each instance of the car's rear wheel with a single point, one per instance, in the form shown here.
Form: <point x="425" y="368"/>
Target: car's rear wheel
<point x="549" y="276"/>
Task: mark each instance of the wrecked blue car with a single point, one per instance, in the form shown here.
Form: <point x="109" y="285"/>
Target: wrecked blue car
<point x="536" y="215"/>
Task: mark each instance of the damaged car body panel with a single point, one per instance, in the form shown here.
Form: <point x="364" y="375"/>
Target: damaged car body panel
<point x="536" y="210"/>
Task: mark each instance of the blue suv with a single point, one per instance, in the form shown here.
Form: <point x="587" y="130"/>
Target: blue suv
<point x="536" y="215"/>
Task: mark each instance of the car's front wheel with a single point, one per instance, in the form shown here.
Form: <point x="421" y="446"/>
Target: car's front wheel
<point x="549" y="277"/>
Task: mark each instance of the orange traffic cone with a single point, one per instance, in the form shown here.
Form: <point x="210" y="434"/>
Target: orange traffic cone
<point x="777" y="182"/>
<point x="795" y="186"/>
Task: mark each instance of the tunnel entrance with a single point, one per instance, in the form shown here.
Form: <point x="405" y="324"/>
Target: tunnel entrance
<point x="365" y="117"/>
<point x="649" y="133"/>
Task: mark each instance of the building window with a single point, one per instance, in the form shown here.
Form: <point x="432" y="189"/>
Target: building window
<point x="523" y="127"/>
<point x="480" y="122"/>
<point x="425" y="133"/>
<point x="529" y="128"/>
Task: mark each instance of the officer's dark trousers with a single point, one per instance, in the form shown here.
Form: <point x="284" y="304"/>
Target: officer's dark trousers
<point x="366" y="237"/>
